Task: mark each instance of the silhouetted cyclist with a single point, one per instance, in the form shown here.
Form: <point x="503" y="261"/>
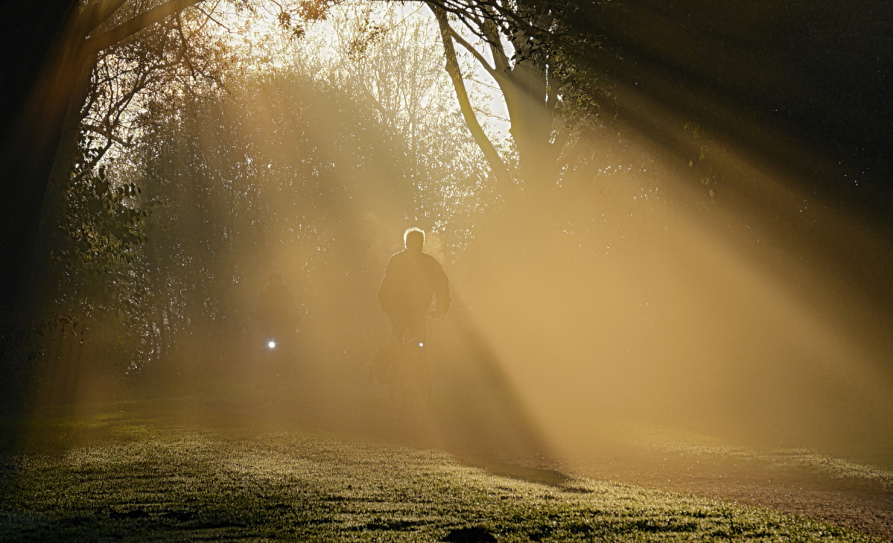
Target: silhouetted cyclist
<point x="412" y="280"/>
<point x="277" y="315"/>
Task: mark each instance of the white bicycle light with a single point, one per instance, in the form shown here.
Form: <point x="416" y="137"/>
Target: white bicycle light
<point x="271" y="344"/>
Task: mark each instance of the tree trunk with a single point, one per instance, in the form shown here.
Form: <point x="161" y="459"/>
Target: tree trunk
<point x="43" y="63"/>
<point x="525" y="92"/>
<point x="39" y="74"/>
<point x="477" y="132"/>
<point x="529" y="96"/>
<point x="44" y="269"/>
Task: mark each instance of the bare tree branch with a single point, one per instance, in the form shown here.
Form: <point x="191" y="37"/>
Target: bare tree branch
<point x="184" y="46"/>
<point x="100" y="12"/>
<point x="477" y="55"/>
<point x="494" y="11"/>
<point x="477" y="132"/>
<point x="134" y="25"/>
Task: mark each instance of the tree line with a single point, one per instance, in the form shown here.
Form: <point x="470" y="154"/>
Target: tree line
<point x="107" y="139"/>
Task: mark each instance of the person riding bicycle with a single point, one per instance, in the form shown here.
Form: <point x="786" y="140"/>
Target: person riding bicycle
<point x="412" y="279"/>
<point x="277" y="315"/>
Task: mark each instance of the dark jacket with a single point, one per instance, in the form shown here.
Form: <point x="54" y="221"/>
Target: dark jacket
<point x="411" y="280"/>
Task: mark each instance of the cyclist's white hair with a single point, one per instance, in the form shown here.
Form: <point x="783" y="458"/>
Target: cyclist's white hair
<point x="411" y="230"/>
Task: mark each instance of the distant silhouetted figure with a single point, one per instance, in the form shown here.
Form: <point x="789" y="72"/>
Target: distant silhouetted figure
<point x="412" y="280"/>
<point x="277" y="315"/>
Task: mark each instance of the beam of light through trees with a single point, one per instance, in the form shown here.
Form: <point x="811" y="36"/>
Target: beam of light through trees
<point x="651" y="246"/>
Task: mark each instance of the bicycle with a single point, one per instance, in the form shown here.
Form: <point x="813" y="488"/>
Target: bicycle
<point x="410" y="380"/>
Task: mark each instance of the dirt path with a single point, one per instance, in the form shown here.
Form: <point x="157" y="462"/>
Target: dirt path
<point x="774" y="480"/>
<point x="862" y="505"/>
<point x="505" y="443"/>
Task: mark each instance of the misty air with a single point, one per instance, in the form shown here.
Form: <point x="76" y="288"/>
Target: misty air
<point x="447" y="270"/>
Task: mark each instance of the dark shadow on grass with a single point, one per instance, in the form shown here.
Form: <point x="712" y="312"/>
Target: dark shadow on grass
<point x="480" y="413"/>
<point x="473" y="534"/>
<point x="483" y="422"/>
<point x="543" y="476"/>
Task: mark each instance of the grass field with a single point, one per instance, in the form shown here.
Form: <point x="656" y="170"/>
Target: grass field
<point x="128" y="475"/>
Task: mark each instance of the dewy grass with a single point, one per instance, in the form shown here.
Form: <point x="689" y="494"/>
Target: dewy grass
<point x="696" y="445"/>
<point x="145" y="480"/>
